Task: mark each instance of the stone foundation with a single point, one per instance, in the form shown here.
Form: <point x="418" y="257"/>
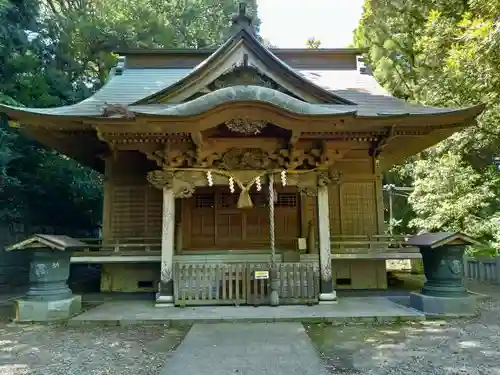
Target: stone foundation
<point x="328" y="298"/>
<point x="44" y="311"/>
<point x="444" y="306"/>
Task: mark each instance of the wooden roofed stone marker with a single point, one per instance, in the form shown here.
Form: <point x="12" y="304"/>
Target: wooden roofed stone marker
<point x="444" y="292"/>
<point x="48" y="297"/>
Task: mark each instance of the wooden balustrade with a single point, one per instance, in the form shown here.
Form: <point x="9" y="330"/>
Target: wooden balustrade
<point x="235" y="284"/>
<point x="341" y="243"/>
<point x="299" y="283"/>
<point x="367" y="245"/>
<point x="130" y="246"/>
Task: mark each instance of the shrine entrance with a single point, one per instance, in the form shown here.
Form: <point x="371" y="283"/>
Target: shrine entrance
<point x="212" y="220"/>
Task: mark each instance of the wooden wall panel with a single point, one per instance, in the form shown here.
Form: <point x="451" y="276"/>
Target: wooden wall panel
<point x="132" y="207"/>
<point x="153" y="214"/>
<point x="358" y="208"/>
<point x="354" y="208"/>
<point x="334" y="203"/>
<point x="136" y="211"/>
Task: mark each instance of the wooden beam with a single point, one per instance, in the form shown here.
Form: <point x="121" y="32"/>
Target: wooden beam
<point x="197" y="138"/>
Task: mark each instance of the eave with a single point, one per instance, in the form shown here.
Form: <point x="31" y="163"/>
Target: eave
<point x="247" y="99"/>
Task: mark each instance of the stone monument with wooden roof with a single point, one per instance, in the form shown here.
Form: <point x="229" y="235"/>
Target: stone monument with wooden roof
<point x="188" y="139"/>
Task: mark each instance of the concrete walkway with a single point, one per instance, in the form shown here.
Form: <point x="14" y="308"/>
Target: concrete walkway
<point x="368" y="309"/>
<point x="245" y="349"/>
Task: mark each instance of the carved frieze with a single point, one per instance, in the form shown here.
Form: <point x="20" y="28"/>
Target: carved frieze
<point x="245" y="126"/>
<point x="245" y="158"/>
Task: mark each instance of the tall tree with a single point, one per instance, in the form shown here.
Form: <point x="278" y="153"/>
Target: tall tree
<point x="89" y="30"/>
<point x="57" y="52"/>
<point x="444" y="53"/>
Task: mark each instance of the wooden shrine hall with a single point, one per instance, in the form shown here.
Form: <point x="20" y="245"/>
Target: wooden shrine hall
<point x="233" y="173"/>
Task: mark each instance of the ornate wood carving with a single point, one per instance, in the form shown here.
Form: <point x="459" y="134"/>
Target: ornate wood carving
<point x="246" y="158"/>
<point x="308" y="183"/>
<point x="244" y="75"/>
<point x="329" y="177"/>
<point x="174" y="158"/>
<point x="246" y="126"/>
<point x="117" y="110"/>
<point x="161" y="179"/>
<point x="182" y="188"/>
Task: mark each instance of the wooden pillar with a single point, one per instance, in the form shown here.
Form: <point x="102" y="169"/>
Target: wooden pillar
<point x="164" y="297"/>
<point x="327" y="294"/>
<point x="171" y="188"/>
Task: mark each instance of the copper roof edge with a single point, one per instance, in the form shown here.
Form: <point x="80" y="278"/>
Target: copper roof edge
<point x="207" y="51"/>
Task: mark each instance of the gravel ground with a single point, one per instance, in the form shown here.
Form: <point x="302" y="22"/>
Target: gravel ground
<point x="458" y="347"/>
<point x="54" y="350"/>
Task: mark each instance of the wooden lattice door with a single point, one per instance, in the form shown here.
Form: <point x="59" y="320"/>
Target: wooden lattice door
<point x="212" y="220"/>
<point x="229" y="221"/>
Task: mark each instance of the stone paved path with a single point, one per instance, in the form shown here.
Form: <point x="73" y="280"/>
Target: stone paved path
<point x="246" y="349"/>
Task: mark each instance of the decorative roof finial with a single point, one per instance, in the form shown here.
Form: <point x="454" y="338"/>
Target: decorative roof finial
<point x="243" y="9"/>
<point x="242" y="20"/>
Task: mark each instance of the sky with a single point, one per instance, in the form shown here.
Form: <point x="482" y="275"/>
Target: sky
<point x="289" y="23"/>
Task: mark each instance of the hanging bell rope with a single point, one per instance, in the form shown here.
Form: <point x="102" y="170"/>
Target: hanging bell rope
<point x="272" y="239"/>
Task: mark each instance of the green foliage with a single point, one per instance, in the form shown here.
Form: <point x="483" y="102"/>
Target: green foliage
<point x="313" y="43"/>
<point x="57" y="52"/>
<point x="450" y="194"/>
<point x="443" y="53"/>
<point x="89" y="30"/>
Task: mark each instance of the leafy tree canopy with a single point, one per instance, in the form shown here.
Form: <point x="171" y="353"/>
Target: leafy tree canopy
<point x="57" y="52"/>
<point x="444" y="53"/>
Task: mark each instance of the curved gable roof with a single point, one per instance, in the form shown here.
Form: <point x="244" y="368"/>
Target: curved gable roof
<point x="289" y="76"/>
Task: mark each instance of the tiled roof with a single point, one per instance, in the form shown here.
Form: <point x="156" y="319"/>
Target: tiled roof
<point x="334" y="80"/>
<point x="127" y="88"/>
<point x="135" y="84"/>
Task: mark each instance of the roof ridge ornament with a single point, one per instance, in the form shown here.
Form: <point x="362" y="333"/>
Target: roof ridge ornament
<point x="120" y="65"/>
<point x="242" y="20"/>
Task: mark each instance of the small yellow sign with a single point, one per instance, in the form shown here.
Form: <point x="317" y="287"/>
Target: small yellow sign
<point x="261" y="275"/>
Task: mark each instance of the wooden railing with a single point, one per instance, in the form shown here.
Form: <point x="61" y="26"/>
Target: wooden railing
<point x="340" y="244"/>
<point x="202" y="284"/>
<point x="299" y="283"/>
<point x="356" y="243"/>
<point x="132" y="246"/>
<point x="235" y="284"/>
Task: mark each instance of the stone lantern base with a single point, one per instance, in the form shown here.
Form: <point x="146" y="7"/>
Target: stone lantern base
<point x="444" y="306"/>
<point x="48" y="298"/>
<point x="444" y="292"/>
<point x="43" y="311"/>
